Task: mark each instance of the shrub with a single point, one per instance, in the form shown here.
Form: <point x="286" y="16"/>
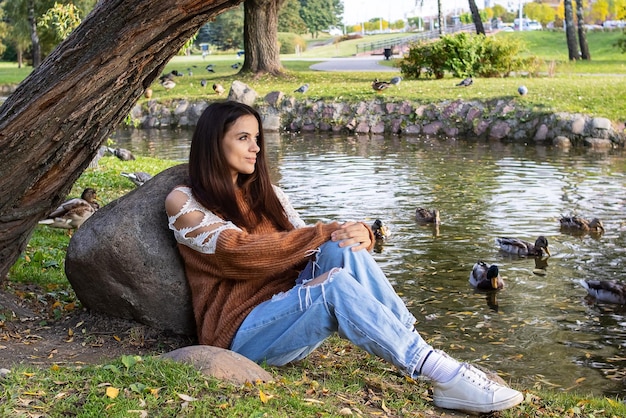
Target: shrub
<point x="423" y="57"/>
<point x="500" y="56"/>
<point x="464" y="55"/>
<point x="289" y="42"/>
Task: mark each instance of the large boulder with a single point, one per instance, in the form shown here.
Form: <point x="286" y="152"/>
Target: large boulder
<point x="123" y="261"/>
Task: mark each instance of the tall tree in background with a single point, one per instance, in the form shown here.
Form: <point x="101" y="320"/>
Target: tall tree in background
<point x="52" y="126"/>
<point x="260" y="37"/>
<point x="480" y="29"/>
<point x="440" y="21"/>
<point x="582" y="37"/>
<point x="34" y="38"/>
<point x="570" y="31"/>
<point x="289" y="19"/>
<point x="225" y="31"/>
<point x="319" y="15"/>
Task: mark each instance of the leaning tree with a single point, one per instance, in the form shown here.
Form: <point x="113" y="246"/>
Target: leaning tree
<point x="53" y="124"/>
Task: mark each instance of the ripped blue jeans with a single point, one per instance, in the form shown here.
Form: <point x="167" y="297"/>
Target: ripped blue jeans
<point x="356" y="301"/>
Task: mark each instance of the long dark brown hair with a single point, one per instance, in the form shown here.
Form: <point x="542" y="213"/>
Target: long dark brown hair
<point x="210" y="176"/>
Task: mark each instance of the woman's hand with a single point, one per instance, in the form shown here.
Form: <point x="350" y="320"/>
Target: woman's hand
<point x="353" y="233"/>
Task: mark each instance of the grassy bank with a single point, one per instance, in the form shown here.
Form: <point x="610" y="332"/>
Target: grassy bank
<point x="337" y="380"/>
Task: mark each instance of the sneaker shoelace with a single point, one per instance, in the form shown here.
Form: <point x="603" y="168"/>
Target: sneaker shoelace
<point x="480" y="379"/>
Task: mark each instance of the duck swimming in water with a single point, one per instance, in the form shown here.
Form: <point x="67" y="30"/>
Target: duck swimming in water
<point x="577" y="223"/>
<point x="609" y="291"/>
<point x="427" y="216"/>
<point x="524" y="248"/>
<point x="486" y="277"/>
<point x="380" y="230"/>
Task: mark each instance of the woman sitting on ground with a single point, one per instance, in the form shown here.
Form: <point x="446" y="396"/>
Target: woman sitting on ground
<point x="265" y="285"/>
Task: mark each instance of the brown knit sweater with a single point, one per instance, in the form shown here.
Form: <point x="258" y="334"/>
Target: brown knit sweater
<point x="248" y="268"/>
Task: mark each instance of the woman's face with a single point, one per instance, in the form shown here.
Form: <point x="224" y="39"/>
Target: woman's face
<point x="240" y="145"/>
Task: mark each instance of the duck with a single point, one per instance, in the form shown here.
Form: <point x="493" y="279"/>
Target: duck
<point x="73" y="212"/>
<point x="427" y="216"/>
<point x="218" y="88"/>
<point x="138" y="177"/>
<point x="609" y="291"/>
<point x="121" y="153"/>
<point x="168" y="84"/>
<point x="379" y="86"/>
<point x="380" y="230"/>
<point x="523" y="248"/>
<point x="578" y="223"/>
<point x="486" y="277"/>
<point x="466" y="82"/>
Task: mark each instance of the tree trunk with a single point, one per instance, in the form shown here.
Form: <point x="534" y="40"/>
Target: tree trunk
<point x="582" y="36"/>
<point x="480" y="29"/>
<point x="52" y="126"/>
<point x="570" y="31"/>
<point x="260" y="37"/>
<point x="20" y="57"/>
<point x="34" y="38"/>
<point x="440" y="21"/>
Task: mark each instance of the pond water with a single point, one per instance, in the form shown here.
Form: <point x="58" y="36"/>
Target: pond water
<point x="541" y="330"/>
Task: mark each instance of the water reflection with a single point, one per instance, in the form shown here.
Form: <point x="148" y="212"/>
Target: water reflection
<point x="541" y="329"/>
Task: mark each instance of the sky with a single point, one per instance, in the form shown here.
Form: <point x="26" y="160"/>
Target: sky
<point x="356" y="11"/>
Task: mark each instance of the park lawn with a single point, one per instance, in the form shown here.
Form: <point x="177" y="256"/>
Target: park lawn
<point x="596" y="88"/>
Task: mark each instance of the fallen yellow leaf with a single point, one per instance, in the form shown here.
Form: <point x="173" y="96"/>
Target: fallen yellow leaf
<point x="112" y="392"/>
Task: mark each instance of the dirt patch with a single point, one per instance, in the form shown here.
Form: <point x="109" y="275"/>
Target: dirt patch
<point x="38" y="332"/>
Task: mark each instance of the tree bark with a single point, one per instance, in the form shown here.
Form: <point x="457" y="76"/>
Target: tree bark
<point x="582" y="36"/>
<point x="53" y="124"/>
<point x="478" y="23"/>
<point x="260" y="37"/>
<point x="570" y="31"/>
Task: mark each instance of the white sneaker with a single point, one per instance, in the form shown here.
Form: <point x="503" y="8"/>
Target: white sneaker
<point x="472" y="391"/>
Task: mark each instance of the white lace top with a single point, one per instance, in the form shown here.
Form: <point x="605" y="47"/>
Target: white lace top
<point x="206" y="241"/>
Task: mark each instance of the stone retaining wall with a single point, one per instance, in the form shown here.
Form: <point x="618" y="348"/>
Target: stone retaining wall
<point x="501" y="119"/>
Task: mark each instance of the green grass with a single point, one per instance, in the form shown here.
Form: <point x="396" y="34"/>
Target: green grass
<point x="337" y="378"/>
<point x="11" y="74"/>
<point x="596" y="88"/>
<point x="596" y="95"/>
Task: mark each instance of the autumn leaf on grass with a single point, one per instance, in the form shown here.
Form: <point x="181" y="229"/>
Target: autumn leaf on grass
<point x="264" y="397"/>
<point x="112" y="392"/>
<point x="186" y="398"/>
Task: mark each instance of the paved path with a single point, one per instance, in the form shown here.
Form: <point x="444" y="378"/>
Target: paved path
<point x="370" y="63"/>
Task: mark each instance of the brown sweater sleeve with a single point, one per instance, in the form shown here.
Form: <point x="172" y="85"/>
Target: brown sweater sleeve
<point x="244" y="256"/>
